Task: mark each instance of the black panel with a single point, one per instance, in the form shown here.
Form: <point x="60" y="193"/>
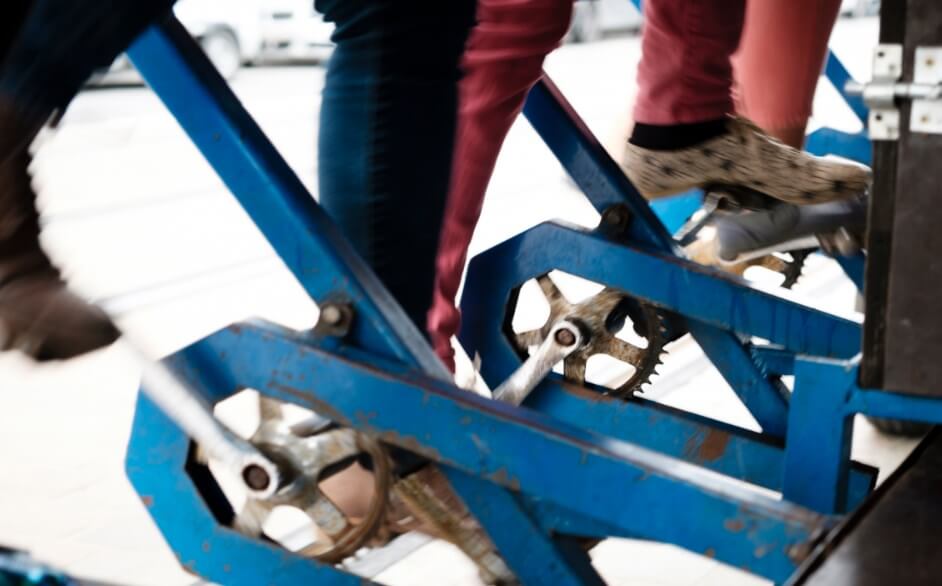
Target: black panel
<point x="903" y="329"/>
<point x="895" y="539"/>
<point x="880" y="224"/>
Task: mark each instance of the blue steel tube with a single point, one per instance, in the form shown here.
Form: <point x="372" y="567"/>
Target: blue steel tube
<point x="593" y="477"/>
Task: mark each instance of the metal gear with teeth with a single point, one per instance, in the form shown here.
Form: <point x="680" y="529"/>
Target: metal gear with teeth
<point x="312" y="449"/>
<point x="733" y="199"/>
<point x="788" y="264"/>
<point x="307" y="458"/>
<point x="602" y="316"/>
<point x="793" y="265"/>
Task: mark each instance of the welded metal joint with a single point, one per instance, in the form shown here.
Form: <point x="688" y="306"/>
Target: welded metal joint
<point x="565" y="338"/>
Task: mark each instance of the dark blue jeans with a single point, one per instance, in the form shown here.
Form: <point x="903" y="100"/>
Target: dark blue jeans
<point x="387" y="129"/>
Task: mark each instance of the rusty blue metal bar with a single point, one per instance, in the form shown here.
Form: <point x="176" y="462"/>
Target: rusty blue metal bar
<point x="593" y="476"/>
<point x="817" y="457"/>
<point x="821" y="425"/>
<point x="597" y="175"/>
<point x="699" y="293"/>
<point x="764" y="395"/>
<point x="738" y="453"/>
<point x="565" y="563"/>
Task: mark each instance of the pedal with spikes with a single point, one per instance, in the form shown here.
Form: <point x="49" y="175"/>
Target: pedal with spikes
<point x="740" y="228"/>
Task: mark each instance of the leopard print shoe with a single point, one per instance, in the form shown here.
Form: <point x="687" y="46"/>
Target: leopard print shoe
<point x="745" y="156"/>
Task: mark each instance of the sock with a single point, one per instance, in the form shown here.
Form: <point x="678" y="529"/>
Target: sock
<point x="676" y="136"/>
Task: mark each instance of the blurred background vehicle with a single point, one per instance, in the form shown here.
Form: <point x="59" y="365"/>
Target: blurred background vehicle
<point x="860" y="7"/>
<point x="593" y="19"/>
<point x="235" y="33"/>
<point x="293" y="31"/>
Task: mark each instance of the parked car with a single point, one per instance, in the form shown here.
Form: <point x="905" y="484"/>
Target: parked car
<point x="292" y="30"/>
<point x="860" y="7"/>
<point x="230" y="32"/>
<point x="593" y="19"/>
<point x="234" y="33"/>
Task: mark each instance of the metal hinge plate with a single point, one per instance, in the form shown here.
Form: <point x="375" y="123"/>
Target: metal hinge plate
<point x="883" y="122"/>
<point x="926" y="114"/>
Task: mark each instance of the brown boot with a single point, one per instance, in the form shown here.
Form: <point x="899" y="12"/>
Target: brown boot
<point x="38" y="315"/>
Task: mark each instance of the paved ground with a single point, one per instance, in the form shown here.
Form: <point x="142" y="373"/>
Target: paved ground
<point x="141" y="224"/>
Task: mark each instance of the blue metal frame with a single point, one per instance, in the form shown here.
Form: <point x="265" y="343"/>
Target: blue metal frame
<point x="821" y="425"/>
<point x="825" y="141"/>
<point x="570" y="461"/>
<point x="663" y="278"/>
<point x="599" y="484"/>
<point x="299" y="231"/>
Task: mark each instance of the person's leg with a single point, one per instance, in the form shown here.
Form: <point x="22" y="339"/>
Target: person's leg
<point x="48" y="52"/>
<point x="387" y="128"/>
<point x="683" y="137"/>
<point x="503" y="60"/>
<point x="12" y="14"/>
<point x="385" y="148"/>
<point x="685" y="73"/>
<point x="777" y="68"/>
<point x="779" y="61"/>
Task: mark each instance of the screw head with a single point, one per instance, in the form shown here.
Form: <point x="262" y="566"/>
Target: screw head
<point x="616" y="216"/>
<point x="331" y="315"/>
<point x="565" y="338"/>
<point x="256" y="477"/>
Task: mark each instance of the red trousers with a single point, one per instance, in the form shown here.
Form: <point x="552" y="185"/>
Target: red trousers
<point x="685" y="75"/>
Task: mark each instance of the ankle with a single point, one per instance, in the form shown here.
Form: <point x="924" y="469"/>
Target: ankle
<point x="672" y="137"/>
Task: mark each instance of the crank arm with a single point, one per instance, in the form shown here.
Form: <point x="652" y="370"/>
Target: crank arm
<point x="195" y="418"/>
<point x="564" y="339"/>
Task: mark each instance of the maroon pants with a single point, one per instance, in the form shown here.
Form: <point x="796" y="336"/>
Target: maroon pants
<point x="685" y="75"/>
